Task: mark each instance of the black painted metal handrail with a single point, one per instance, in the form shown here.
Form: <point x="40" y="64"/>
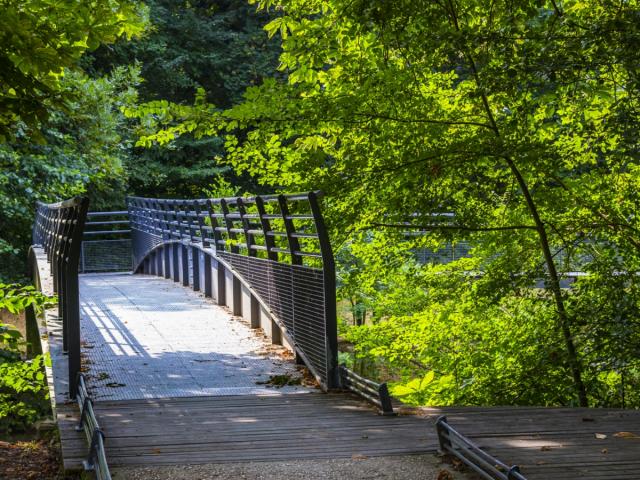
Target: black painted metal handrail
<point x="488" y="467"/>
<point x="58" y="230"/>
<point x="376" y="393"/>
<point x="276" y="246"/>
<point x="96" y="458"/>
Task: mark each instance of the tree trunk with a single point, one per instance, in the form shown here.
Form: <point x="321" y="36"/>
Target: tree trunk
<point x="554" y="279"/>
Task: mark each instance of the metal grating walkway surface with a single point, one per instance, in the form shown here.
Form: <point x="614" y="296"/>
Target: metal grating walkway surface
<point x="147" y="337"/>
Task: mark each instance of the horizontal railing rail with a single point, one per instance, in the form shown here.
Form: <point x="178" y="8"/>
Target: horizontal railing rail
<point x="376" y="393"/>
<point x="96" y="460"/>
<point x="454" y="443"/>
<point x="106" y="243"/>
<point x="112" y="224"/>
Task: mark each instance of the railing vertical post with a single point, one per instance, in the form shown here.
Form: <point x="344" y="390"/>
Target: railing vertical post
<point x="166" y="235"/>
<point x="184" y="231"/>
<point x="294" y="245"/>
<point x="266" y="230"/>
<point x="329" y="279"/>
<point x="73" y="294"/>
<point x="236" y="287"/>
<point x="175" y="257"/>
<point x="443" y="440"/>
<point x="221" y="290"/>
<point x="62" y="229"/>
<point x="246" y="227"/>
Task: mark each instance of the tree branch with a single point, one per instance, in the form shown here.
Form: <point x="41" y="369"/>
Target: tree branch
<point x="454" y="227"/>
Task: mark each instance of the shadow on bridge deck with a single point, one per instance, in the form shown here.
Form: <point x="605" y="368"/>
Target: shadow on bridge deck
<point x="147" y="337"/>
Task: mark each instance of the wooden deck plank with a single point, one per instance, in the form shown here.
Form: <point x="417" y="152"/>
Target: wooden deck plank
<point x="547" y="443"/>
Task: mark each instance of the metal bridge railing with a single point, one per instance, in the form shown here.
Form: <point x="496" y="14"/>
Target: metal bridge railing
<point x="488" y="467"/>
<point x="276" y="246"/>
<point x="376" y="393"/>
<point x="58" y="229"/>
<point x="96" y="459"/>
<point x="106" y="244"/>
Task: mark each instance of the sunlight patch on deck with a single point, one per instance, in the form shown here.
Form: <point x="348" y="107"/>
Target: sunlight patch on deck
<point x="148" y="337"/>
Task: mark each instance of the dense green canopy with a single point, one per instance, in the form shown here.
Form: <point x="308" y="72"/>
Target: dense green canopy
<point x="40" y="38"/>
<point x="520" y="119"/>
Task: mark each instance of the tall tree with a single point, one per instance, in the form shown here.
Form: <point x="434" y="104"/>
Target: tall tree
<point x="59" y="130"/>
<point x="519" y="118"/>
<point x="216" y="45"/>
<point x="40" y="38"/>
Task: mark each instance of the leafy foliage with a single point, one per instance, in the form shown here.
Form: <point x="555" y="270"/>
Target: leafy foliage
<point x="511" y="126"/>
<point x="23" y="389"/>
<point x="84" y="153"/>
<point x="217" y="46"/>
<point x="17" y="298"/>
<point x="42" y="38"/>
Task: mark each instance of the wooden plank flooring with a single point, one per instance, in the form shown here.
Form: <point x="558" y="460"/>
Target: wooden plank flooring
<point x="548" y="443"/>
<point x="554" y="443"/>
<point x="255" y="428"/>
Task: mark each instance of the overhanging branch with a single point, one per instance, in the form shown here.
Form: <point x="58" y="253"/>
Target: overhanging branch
<point x="410" y="226"/>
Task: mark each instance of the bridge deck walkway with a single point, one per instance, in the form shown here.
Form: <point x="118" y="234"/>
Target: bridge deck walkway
<point x="177" y="380"/>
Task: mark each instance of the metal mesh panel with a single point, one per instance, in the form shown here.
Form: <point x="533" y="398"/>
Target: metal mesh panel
<point x="106" y="256"/>
<point x="277" y="244"/>
<point x="145" y="242"/>
<point x="447" y="254"/>
<point x="295" y="296"/>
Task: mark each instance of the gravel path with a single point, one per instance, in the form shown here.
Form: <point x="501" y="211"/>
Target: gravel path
<point x="414" y="467"/>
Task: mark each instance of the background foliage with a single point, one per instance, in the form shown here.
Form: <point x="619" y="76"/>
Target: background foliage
<point x="510" y="126"/>
<point x="218" y="46"/>
<point x="23" y="389"/>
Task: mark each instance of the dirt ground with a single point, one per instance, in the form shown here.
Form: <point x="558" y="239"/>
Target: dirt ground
<point x="34" y="456"/>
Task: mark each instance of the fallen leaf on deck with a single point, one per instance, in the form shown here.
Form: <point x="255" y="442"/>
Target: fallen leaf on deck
<point x="444" y="475"/>
<point x="357" y="456"/>
<point x="626" y="435"/>
<point x="600" y="436"/>
<point x="604" y="450"/>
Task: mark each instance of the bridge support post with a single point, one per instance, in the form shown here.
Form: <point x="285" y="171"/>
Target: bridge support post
<point x="195" y="258"/>
<point x="158" y="257"/>
<point x="208" y="287"/>
<point x="185" y="265"/>
<point x="236" y="292"/>
<point x="255" y="312"/>
<point x="221" y="294"/>
<point x="167" y="261"/>
<point x="175" y="261"/>
<point x="152" y="263"/>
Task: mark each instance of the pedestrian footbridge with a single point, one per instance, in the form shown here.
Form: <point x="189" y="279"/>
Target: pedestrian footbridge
<point x="219" y="344"/>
